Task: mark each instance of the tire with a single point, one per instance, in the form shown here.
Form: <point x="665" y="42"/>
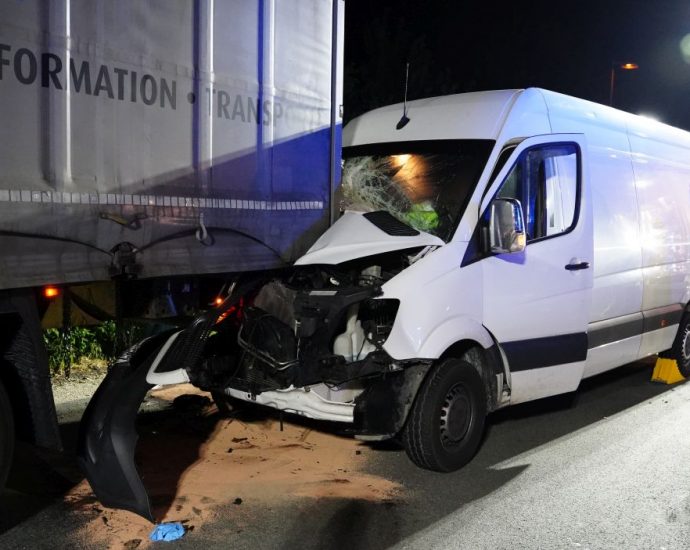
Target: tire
<point x="680" y="351"/>
<point x="446" y="423"/>
<point x="6" y="436"/>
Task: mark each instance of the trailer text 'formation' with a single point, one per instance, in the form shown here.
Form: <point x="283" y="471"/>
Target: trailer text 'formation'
<point x="29" y="67"/>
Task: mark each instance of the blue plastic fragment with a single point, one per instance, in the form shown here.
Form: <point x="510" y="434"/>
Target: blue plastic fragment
<point x="167" y="532"/>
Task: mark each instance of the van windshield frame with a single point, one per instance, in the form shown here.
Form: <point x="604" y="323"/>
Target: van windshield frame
<point x="425" y="184"/>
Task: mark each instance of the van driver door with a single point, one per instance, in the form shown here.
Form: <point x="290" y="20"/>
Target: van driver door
<point x="537" y="301"/>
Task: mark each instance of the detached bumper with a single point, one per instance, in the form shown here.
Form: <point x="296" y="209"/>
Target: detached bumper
<point x="108" y="436"/>
<point x="107" y="433"/>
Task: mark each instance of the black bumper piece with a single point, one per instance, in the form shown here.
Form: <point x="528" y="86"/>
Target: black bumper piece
<point x="382" y="408"/>
<point x="107" y="433"/>
<point x="108" y="436"/>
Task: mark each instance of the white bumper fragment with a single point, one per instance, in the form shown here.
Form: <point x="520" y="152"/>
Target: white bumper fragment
<point x="177" y="376"/>
<point x="302" y="402"/>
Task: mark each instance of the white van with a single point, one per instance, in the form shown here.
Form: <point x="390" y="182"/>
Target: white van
<point x="527" y="240"/>
<point x="498" y="248"/>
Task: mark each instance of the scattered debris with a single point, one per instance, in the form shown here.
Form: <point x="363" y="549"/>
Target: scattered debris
<point x="239" y="439"/>
<point x="237" y="501"/>
<point x="167" y="532"/>
<point x="132" y="544"/>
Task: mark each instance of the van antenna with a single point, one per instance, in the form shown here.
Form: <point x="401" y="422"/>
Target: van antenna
<point x="404" y="120"/>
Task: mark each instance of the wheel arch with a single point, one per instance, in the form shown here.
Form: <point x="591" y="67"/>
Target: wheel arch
<point x="488" y="363"/>
<point x="476" y="345"/>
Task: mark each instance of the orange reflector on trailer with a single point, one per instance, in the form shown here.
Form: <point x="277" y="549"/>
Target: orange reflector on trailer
<point x="51" y="292"/>
<point x="218" y="301"/>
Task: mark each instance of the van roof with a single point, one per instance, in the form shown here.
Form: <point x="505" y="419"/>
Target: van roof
<point x="484" y="115"/>
<point x="476" y="115"/>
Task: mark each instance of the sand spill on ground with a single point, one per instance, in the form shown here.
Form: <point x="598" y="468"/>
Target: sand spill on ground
<point x="196" y="464"/>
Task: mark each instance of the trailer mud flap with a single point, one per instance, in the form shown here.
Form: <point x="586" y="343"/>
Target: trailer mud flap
<point x="108" y="436"/>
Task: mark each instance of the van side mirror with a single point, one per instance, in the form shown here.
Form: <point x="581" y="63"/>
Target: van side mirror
<point x="506" y="227"/>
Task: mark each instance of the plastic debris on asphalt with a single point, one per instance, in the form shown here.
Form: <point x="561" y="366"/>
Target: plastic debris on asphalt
<point x="167" y="532"/>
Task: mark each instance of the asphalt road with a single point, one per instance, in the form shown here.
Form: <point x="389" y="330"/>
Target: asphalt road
<point x="607" y="467"/>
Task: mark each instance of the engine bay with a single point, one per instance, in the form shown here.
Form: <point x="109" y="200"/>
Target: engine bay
<point x="315" y="327"/>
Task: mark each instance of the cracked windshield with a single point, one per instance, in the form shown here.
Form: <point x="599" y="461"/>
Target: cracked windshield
<point x="423" y="184"/>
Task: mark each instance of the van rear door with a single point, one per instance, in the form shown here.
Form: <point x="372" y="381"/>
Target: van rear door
<point x="536" y="302"/>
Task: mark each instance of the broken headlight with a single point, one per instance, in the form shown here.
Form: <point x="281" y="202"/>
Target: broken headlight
<point x="377" y="317"/>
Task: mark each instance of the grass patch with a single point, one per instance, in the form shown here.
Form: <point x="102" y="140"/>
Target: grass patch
<point x="88" y="350"/>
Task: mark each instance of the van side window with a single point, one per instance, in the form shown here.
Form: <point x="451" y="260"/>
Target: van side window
<point x="544" y="180"/>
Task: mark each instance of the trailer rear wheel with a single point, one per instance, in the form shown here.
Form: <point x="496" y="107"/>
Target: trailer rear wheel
<point x="6" y="435"/>
<point x="681" y="347"/>
<point x="446" y="423"/>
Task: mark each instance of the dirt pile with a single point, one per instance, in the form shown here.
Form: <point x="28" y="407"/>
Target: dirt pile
<point x="196" y="464"/>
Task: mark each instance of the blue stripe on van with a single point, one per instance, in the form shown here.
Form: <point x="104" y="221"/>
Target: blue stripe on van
<point x="538" y="353"/>
<point x="627" y="326"/>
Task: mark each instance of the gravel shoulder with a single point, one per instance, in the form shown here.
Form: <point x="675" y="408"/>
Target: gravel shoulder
<point x="72" y="394"/>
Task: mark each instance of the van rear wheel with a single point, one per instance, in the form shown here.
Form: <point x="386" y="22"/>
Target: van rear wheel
<point x="681" y="347"/>
<point x="446" y="423"/>
<point x="6" y="435"/>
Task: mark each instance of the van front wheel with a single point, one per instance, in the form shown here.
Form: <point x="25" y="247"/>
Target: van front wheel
<point x="446" y="423"/>
<point x="6" y="436"/>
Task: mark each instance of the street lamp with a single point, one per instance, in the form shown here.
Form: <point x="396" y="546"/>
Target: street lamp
<point x="624" y="67"/>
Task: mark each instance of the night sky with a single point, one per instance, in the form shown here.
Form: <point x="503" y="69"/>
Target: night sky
<point x="468" y="45"/>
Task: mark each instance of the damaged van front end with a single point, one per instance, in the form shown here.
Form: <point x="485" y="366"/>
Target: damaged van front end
<point x="360" y="330"/>
<point x="309" y="340"/>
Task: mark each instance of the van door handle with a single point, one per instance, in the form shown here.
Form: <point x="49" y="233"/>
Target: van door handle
<point x="576" y="266"/>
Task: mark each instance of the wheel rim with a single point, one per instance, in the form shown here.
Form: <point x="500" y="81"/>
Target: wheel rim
<point x="456" y="415"/>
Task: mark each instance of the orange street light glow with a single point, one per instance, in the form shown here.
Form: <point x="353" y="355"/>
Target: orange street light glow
<point x="630" y="66"/>
<point x="218" y="301"/>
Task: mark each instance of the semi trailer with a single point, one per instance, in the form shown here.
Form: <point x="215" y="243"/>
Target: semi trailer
<point x="495" y="248"/>
<point x="158" y="147"/>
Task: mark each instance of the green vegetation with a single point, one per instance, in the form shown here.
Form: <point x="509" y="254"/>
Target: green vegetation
<point x="88" y="348"/>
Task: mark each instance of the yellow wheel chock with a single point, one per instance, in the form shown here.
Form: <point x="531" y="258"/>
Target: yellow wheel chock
<point x="666" y="371"/>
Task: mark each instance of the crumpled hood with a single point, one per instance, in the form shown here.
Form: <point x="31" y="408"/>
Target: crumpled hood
<point x="356" y="235"/>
